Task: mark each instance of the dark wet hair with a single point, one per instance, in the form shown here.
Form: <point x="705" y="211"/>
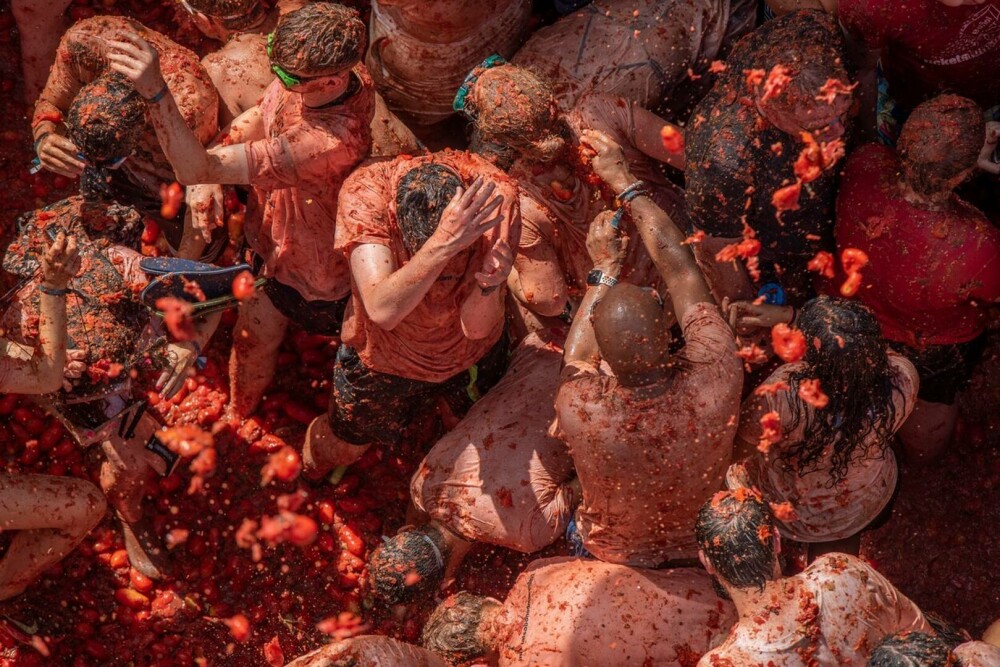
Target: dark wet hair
<point x="233" y="14"/>
<point x="941" y="139"/>
<point x="735" y="533"/>
<point x="946" y="631"/>
<point x="912" y="649"/>
<point x="845" y="351"/>
<point x="321" y="38"/>
<point x="452" y="631"/>
<point x="421" y="197"/>
<point x="107" y="118"/>
<point x="408" y="566"/>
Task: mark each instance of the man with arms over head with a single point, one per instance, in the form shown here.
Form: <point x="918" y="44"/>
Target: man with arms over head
<point x="310" y="130"/>
<point x="431" y="242"/>
<point x="673" y="416"/>
<point x="833" y="613"/>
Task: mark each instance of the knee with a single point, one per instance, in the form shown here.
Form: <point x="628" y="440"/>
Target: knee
<point x="87" y="508"/>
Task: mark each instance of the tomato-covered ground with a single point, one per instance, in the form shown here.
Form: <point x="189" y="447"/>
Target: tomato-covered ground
<point x="234" y="602"/>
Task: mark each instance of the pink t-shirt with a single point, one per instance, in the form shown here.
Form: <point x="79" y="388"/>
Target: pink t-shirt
<point x="369" y="651"/>
<point x="825" y="512"/>
<point x="498" y="477"/>
<point x="422" y="51"/>
<point x="296" y="173"/>
<point x="647" y="465"/>
<point x="565" y="611"/>
<point x="833" y="613"/>
<point x="978" y="654"/>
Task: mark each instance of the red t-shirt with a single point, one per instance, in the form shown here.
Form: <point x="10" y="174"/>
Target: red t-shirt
<point x="931" y="274"/>
<point x="929" y="48"/>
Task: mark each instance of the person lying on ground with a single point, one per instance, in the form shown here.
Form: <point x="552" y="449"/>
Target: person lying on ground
<point x="672" y="415"/>
<point x="568" y="611"/>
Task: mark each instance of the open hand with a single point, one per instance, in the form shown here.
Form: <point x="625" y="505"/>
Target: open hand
<point x="133" y="57"/>
<point x="180" y="358"/>
<point x="60" y="262"/>
<point x="470" y="214"/>
<point x="745" y="316"/>
<point x="76" y="364"/>
<point x="60" y="155"/>
<point x="496" y="266"/>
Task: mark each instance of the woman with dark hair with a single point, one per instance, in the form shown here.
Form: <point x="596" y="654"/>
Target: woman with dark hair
<point x="816" y="434"/>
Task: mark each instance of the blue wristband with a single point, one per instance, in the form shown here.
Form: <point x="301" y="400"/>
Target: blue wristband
<point x="159" y="96"/>
<point x="53" y="292"/>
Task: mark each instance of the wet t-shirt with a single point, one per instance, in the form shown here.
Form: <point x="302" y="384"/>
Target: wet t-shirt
<point x="978" y="654"/>
<point x="421" y="51"/>
<point x="563" y="204"/>
<point x="642" y="51"/>
<point x="369" y="651"/>
<point x="296" y="172"/>
<point x="498" y="477"/>
<point x="931" y="274"/>
<point x="825" y="511"/>
<point x="564" y="611"/>
<point x="428" y="344"/>
<point x="648" y="463"/>
<point x="833" y="613"/>
<point x="929" y="48"/>
<point x="82" y="57"/>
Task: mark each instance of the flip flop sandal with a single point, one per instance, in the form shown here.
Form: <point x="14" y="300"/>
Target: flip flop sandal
<point x="173" y="274"/>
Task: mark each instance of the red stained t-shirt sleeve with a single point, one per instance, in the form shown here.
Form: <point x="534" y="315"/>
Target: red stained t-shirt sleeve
<point x="305" y="157"/>
<point x="707" y="337"/>
<point x="363" y="208"/>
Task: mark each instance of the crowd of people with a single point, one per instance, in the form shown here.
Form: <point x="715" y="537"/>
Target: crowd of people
<point x="700" y="278"/>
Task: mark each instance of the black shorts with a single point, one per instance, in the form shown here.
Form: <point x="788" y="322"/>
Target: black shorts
<point x="944" y="370"/>
<point x="317" y="317"/>
<point x="372" y="407"/>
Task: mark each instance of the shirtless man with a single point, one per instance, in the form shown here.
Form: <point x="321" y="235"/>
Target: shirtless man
<point x="241" y="70"/>
<point x="833" y="613"/>
<point x="497" y="477"/>
<point x="674" y="417"/>
<point x="82" y="57"/>
<point x="564" y="611"/>
<point x="430" y="242"/>
<point x="420" y="51"/>
<point x="311" y="129"/>
<point x="650" y="52"/>
<point x="369" y="651"/>
<point x="745" y="143"/>
<point x="50" y="515"/>
<point x="933" y="259"/>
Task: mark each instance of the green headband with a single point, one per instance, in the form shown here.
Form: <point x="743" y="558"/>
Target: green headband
<point x="285" y="77"/>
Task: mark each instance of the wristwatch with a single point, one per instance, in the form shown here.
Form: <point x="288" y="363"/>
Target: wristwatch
<point x="598" y="277"/>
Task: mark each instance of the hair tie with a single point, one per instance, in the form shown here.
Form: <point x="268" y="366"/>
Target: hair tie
<point x="437" y="552"/>
<point x="461" y="97"/>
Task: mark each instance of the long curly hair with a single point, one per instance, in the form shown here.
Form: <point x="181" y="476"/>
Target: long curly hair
<point x="845" y="351"/>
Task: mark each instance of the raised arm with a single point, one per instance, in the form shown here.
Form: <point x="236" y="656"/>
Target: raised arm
<point x="663" y="240"/>
<point x="133" y="57"/>
<point x="607" y="251"/>
<point x="390" y="293"/>
<point x="43" y="372"/>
